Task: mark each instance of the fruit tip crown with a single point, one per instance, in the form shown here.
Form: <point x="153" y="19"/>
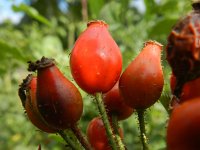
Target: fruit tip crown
<point x="43" y="63"/>
<point x="153" y="42"/>
<point x="26" y="81"/>
<point x="100" y="22"/>
<point x="23" y="87"/>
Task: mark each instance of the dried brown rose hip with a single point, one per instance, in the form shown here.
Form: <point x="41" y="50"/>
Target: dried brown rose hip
<point x="183" y="48"/>
<point x="27" y="94"/>
<point x="58" y="100"/>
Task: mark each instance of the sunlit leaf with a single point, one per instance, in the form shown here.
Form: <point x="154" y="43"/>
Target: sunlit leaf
<point x="31" y="12"/>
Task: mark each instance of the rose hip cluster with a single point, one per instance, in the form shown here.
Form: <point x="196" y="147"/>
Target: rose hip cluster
<point x="53" y="103"/>
<point x="183" y="55"/>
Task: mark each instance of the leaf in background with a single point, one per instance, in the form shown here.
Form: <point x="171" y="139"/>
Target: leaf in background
<point x="174" y="8"/>
<point x="162" y="27"/>
<point x="149" y="5"/>
<point x="8" y="51"/>
<point x="110" y="12"/>
<point x="165" y="100"/>
<point x="169" y="7"/>
<point x="95" y="7"/>
<point x="9" y="55"/>
<point x="3" y="69"/>
<point x="31" y="12"/>
<point x="48" y="46"/>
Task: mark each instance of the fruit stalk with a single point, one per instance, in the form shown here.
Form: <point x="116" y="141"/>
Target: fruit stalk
<point x="143" y="137"/>
<point x="82" y="139"/>
<point x="116" y="132"/>
<point x="69" y="141"/>
<point x="102" y="111"/>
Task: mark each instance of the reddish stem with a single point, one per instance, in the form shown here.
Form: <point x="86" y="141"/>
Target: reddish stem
<point x="82" y="139"/>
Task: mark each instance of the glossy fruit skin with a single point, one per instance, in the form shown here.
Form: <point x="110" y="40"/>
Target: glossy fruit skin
<point x="142" y="82"/>
<point x="183" y="131"/>
<point x="190" y="89"/>
<point x="96" y="134"/>
<point x="30" y="106"/>
<point x="58" y="100"/>
<point x="96" y="61"/>
<point x="115" y="104"/>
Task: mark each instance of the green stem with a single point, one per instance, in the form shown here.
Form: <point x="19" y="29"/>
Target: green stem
<point x="102" y="111"/>
<point x="142" y="129"/>
<point x="116" y="132"/>
<point x="81" y="137"/>
<point x="68" y="140"/>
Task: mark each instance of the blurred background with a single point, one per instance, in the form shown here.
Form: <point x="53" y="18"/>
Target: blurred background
<point x="30" y="29"/>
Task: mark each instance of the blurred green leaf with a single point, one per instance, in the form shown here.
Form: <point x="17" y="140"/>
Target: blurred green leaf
<point x="31" y="12"/>
<point x="150" y="6"/>
<point x="8" y="51"/>
<point x="95" y="7"/>
<point x="110" y="12"/>
<point x="162" y="27"/>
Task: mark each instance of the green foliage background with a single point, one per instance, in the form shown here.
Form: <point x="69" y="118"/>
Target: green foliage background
<point x="51" y="32"/>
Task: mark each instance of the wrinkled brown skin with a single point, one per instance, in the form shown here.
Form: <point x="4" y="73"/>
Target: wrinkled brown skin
<point x="142" y="82"/>
<point x="58" y="100"/>
<point x="96" y="135"/>
<point x="31" y="108"/>
<point x="183" y="132"/>
<point x="183" y="50"/>
<point x="96" y="60"/>
<point x="115" y="104"/>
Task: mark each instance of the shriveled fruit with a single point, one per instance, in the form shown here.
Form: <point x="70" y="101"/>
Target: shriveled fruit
<point x="142" y="82"/>
<point x="183" y="131"/>
<point x="96" y="61"/>
<point x="58" y="100"/>
<point x="96" y="134"/>
<point x="183" y="48"/>
<point x="115" y="104"/>
<point x="28" y="90"/>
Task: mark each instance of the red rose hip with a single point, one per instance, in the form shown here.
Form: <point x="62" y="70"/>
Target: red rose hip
<point x="183" y="131"/>
<point x="96" y="134"/>
<point x="142" y="82"/>
<point x="115" y="104"/>
<point x="96" y="61"/>
<point x="190" y="89"/>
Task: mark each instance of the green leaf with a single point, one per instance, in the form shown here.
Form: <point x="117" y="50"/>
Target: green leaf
<point x="174" y="8"/>
<point x="95" y="7"/>
<point x="111" y="12"/>
<point x="150" y="5"/>
<point x="169" y="6"/>
<point x="32" y="12"/>
<point x="162" y="27"/>
<point x="8" y="51"/>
